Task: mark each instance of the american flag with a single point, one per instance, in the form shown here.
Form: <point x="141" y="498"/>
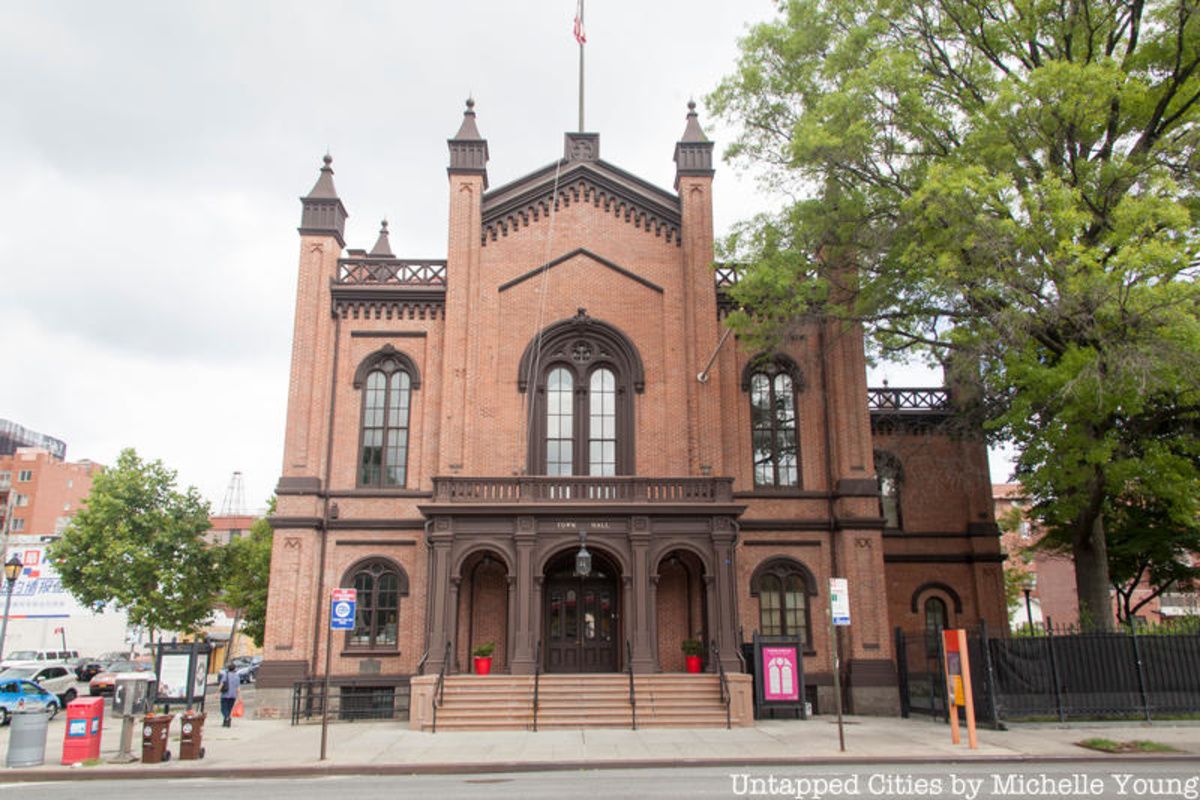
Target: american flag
<point x="580" y="36"/>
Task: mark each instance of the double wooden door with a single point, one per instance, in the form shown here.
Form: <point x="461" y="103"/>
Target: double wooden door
<point x="581" y="624"/>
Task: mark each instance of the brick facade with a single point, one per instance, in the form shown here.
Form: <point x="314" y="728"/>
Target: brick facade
<point x="619" y="273"/>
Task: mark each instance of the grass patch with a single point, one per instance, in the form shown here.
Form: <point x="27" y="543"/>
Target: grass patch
<point x="1134" y="746"/>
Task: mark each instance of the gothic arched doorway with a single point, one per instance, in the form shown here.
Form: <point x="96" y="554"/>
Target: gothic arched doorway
<point x="581" y="615"/>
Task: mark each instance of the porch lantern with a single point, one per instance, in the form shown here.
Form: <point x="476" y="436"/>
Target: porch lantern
<point x="583" y="559"/>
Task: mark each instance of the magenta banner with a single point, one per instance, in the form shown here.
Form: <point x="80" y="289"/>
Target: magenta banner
<point x="780" y="679"/>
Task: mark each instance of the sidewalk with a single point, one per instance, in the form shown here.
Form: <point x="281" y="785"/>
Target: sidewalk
<point x="254" y="748"/>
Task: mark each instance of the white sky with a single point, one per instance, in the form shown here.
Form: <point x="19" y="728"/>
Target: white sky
<point x="154" y="153"/>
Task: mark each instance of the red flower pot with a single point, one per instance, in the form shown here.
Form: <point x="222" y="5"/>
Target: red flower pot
<point x="483" y="665"/>
<point x="693" y="663"/>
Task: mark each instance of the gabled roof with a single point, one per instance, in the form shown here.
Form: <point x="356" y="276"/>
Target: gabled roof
<point x="526" y="199"/>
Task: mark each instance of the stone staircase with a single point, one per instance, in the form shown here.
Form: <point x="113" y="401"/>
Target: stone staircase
<point x="505" y="702"/>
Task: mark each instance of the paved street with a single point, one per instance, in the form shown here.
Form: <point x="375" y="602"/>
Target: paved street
<point x="966" y="781"/>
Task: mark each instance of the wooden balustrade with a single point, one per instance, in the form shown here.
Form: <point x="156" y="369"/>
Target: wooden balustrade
<point x="581" y="489"/>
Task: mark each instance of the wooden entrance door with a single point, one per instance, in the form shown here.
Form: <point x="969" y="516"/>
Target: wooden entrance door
<point x="581" y="624"/>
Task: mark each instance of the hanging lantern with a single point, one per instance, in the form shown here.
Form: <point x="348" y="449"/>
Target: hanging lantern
<point x="583" y="559"/>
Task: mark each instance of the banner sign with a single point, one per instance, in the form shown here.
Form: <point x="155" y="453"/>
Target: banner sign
<point x="778" y="675"/>
<point x="38" y="592"/>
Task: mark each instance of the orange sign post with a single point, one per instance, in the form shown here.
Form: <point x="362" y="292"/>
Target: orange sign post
<point x="958" y="685"/>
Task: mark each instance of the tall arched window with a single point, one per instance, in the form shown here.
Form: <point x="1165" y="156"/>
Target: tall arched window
<point x="584" y="373"/>
<point x="783" y="588"/>
<point x="379" y="585"/>
<point x="936" y="620"/>
<point x="387" y="380"/>
<point x="776" y="446"/>
<point x="887" y="470"/>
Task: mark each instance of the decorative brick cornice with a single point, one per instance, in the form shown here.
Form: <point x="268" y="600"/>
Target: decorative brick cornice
<point x="388" y="302"/>
<point x="527" y="200"/>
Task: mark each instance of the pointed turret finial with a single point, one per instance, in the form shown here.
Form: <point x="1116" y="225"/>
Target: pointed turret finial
<point x="324" y="214"/>
<point x="469" y="150"/>
<point x="382" y="248"/>
<point x="693" y="152"/>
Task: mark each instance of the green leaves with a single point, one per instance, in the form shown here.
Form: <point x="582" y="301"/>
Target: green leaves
<point x="245" y="570"/>
<point x="1017" y="185"/>
<point x="137" y="544"/>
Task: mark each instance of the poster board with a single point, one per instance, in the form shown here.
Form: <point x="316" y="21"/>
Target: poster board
<point x="778" y="674"/>
<point x="182" y="670"/>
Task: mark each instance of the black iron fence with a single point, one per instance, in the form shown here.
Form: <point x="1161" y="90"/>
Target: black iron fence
<point x="1058" y="674"/>
<point x="349" y="701"/>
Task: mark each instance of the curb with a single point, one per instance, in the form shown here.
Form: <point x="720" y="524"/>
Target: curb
<point x="309" y="770"/>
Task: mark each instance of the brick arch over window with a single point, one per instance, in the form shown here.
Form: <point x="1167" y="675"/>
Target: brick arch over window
<point x="380" y="583"/>
<point x="773" y="365"/>
<point x="784" y="588"/>
<point x="945" y="589"/>
<point x="584" y="374"/>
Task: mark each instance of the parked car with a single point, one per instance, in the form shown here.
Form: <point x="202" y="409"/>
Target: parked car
<point x="106" y="681"/>
<point x="54" y="678"/>
<point x="89" y="668"/>
<point x="246" y="667"/>
<point x="18" y="656"/>
<point x="19" y="694"/>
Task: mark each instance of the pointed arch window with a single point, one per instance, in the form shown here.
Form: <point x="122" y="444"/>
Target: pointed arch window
<point x="387" y="380"/>
<point x="772" y="384"/>
<point x="584" y="375"/>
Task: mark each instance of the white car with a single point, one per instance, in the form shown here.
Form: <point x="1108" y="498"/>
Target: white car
<point x="58" y="679"/>
<point x="44" y="656"/>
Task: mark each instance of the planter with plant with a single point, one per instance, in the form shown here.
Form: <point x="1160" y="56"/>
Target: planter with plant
<point x="693" y="649"/>
<point x="483" y="658"/>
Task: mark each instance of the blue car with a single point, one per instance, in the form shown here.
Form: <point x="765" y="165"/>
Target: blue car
<point x="24" y="695"/>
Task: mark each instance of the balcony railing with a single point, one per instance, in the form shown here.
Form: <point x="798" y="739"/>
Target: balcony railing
<point x="390" y="272"/>
<point x="580" y="489"/>
<point x="889" y="399"/>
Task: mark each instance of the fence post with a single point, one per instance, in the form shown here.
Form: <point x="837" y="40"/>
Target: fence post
<point x="902" y="673"/>
<point x="1058" y="700"/>
<point x="989" y="675"/>
<point x="1141" y="672"/>
<point x="939" y="678"/>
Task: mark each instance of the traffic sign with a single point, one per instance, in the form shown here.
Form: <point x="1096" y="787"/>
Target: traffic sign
<point x="839" y="601"/>
<point x="341" y="609"/>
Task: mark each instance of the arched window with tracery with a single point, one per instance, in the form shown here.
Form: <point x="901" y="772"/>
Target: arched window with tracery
<point x="890" y="476"/>
<point x="379" y="585"/>
<point x="784" y="589"/>
<point x="772" y="384"/>
<point x="585" y="373"/>
<point x="387" y="380"/>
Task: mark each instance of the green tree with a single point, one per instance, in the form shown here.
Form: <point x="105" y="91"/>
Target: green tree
<point x="1149" y="548"/>
<point x="246" y="569"/>
<point x="1011" y="190"/>
<point x="137" y="544"/>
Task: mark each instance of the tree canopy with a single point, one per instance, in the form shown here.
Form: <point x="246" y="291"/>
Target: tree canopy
<point x="246" y="569"/>
<point x="137" y="544"/>
<point x="1016" y="187"/>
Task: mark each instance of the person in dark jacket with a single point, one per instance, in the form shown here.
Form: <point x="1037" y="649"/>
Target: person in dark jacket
<point x="230" y="687"/>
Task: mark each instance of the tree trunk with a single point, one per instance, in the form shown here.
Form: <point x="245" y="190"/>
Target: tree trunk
<point x="1091" y="572"/>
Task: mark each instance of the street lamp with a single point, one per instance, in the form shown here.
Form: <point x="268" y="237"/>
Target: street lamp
<point x="12" y="570"/>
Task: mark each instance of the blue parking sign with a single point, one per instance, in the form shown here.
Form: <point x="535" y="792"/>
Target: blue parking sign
<point x="341" y="609"/>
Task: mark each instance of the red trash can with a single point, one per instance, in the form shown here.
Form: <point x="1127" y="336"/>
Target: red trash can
<point x="85" y="723"/>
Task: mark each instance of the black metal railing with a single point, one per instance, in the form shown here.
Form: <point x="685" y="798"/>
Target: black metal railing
<point x="439" y="688"/>
<point x="908" y="399"/>
<point x="537" y="679"/>
<point x="1059" y="673"/>
<point x="369" y="271"/>
<point x="726" y="698"/>
<point x="632" y="696"/>
<point x="349" y="701"/>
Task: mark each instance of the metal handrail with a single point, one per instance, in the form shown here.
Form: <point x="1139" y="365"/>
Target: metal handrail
<point x="629" y="669"/>
<point x="725" y="696"/>
<point x="439" y="688"/>
<point x="537" y="677"/>
<point x="422" y="662"/>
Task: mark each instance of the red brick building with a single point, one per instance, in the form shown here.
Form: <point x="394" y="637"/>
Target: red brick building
<point x="39" y="492"/>
<point x="455" y="426"/>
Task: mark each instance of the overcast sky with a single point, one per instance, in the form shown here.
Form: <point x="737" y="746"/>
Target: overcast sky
<point x="153" y="154"/>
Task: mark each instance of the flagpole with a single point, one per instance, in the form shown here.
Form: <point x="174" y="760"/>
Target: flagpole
<point x="581" y="129"/>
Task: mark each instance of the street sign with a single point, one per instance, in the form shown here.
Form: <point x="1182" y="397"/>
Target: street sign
<point x="839" y="601"/>
<point x="341" y="609"/>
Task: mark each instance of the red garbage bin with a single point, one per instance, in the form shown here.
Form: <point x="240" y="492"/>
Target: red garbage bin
<point x="85" y="722"/>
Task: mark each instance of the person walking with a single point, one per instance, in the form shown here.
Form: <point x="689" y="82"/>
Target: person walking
<point x="230" y="688"/>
